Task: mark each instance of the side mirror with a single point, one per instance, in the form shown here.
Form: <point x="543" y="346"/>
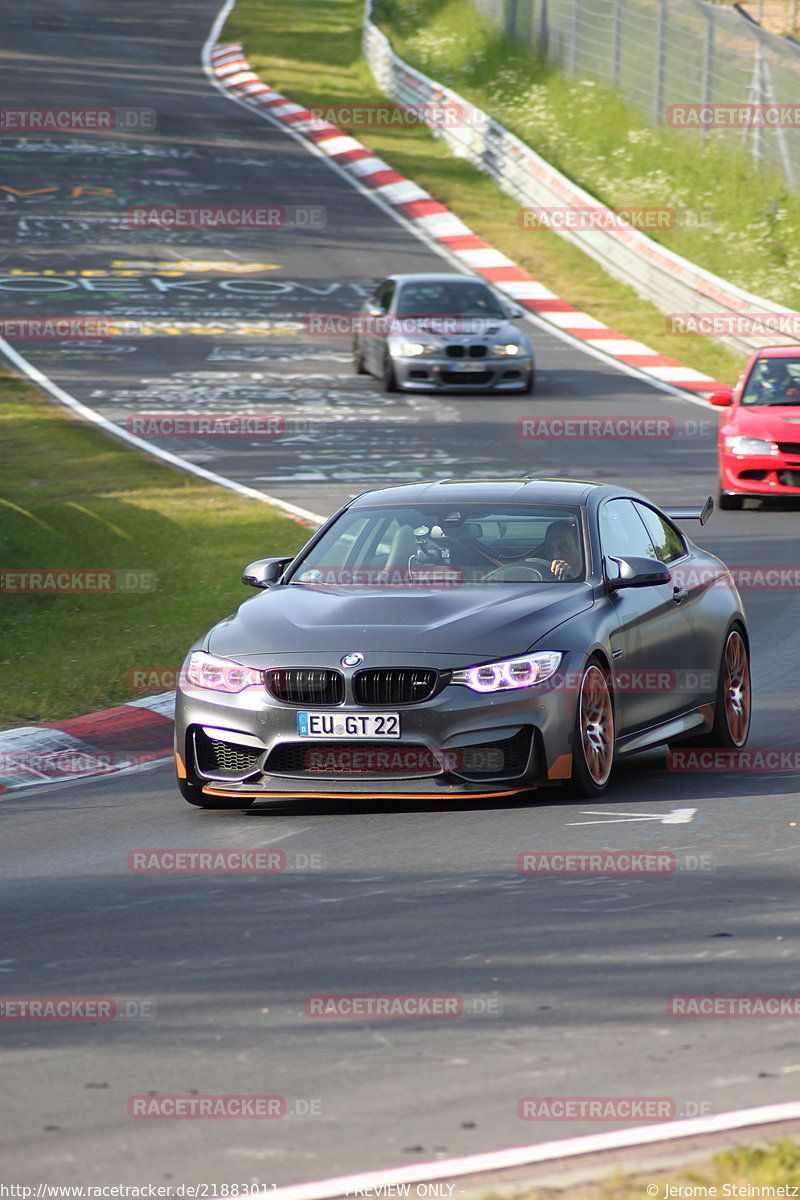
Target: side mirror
<point x="638" y="572"/>
<point x="264" y="572"/>
<point x="515" y="313"/>
<point x="721" y="399"/>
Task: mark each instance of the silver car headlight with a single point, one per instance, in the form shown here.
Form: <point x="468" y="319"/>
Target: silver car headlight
<point x="414" y="349"/>
<point x="219" y="674"/>
<point x="746" y="445"/>
<point x="509" y="349"/>
<point x="511" y="673"/>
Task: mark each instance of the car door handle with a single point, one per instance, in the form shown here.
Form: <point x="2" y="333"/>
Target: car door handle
<point x="679" y="594"/>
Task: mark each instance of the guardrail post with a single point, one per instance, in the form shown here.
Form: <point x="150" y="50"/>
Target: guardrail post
<point x="576" y="36"/>
<point x="661" y="62"/>
<point x="511" y="17"/>
<point x="708" y="69"/>
<point x="544" y="30"/>
<point x="617" y="53"/>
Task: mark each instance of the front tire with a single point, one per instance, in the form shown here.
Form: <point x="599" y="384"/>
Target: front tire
<point x="593" y="734"/>
<point x="389" y="377"/>
<point x="358" y="360"/>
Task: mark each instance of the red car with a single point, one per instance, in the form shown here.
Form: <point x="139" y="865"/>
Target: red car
<point x="759" y="437"/>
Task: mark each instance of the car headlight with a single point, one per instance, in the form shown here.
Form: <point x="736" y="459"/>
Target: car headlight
<point x="746" y="445"/>
<point x="413" y="349"/>
<point x="507" y="348"/>
<point x="219" y="674"/>
<point x="513" y="673"/>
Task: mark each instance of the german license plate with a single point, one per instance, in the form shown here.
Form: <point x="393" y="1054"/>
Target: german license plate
<point x="348" y="725"/>
<point x="469" y="368"/>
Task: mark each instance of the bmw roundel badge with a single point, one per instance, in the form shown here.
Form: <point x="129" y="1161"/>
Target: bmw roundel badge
<point x="352" y="660"/>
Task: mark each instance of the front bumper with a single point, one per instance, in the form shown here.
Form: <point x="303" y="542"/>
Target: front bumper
<point x="425" y="373"/>
<point x="760" y="475"/>
<point x="458" y="743"/>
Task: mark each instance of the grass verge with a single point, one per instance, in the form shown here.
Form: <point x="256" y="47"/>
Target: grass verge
<point x="311" y="51"/>
<point x="72" y="497"/>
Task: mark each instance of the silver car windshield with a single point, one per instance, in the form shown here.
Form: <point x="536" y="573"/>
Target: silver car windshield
<point x="448" y="299"/>
<point x="441" y="545"/>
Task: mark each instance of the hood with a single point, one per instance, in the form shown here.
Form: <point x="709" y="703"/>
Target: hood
<point x="483" y="329"/>
<point x="473" y="623"/>
<point x="775" y="423"/>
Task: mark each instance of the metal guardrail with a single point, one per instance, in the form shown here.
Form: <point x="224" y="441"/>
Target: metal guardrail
<point x="664" y="53"/>
<point x="670" y="282"/>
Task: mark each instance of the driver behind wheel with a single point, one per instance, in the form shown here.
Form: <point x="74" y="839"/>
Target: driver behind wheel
<point x="777" y="384"/>
<point x="562" y="546"/>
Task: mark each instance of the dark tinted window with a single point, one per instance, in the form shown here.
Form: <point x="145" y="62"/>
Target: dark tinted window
<point x="622" y="532"/>
<point x="667" y="541"/>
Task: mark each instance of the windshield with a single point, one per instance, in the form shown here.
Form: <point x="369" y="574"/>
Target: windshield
<point x="447" y="545"/>
<point x="773" y="381"/>
<point x="448" y="299"/>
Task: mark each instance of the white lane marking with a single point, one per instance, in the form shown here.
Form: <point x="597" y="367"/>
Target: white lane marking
<point x="678" y="816"/>
<point x="498" y="1160"/>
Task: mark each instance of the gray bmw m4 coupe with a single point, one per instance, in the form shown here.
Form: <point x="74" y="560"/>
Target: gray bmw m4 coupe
<point x="473" y="639"/>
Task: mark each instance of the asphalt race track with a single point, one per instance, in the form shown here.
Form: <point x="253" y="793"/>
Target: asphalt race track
<point x="564" y="980"/>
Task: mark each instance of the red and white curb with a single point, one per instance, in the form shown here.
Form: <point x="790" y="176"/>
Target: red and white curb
<point x="80" y="747"/>
<point x="418" y="1179"/>
<point x="232" y="71"/>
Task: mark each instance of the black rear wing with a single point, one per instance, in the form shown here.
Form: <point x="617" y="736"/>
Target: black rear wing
<point x="681" y="513"/>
